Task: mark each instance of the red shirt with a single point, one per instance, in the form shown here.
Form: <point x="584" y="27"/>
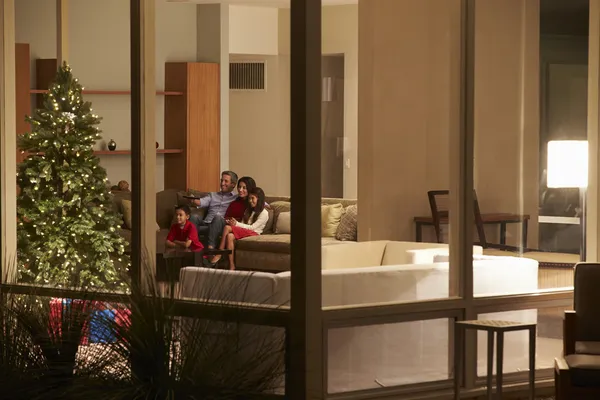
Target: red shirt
<point x="188" y="232"/>
<point x="236" y="209"/>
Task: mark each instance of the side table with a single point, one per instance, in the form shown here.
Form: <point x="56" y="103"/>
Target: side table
<point x="499" y="328"/>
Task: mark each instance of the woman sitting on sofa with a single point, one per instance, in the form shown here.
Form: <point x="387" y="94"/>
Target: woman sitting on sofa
<point x="237" y="209"/>
<point x="254" y="222"/>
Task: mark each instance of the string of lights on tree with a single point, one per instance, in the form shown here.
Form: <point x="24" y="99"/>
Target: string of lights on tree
<point x="67" y="228"/>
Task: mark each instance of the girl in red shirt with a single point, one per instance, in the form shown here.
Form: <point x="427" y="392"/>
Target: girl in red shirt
<point x="183" y="233"/>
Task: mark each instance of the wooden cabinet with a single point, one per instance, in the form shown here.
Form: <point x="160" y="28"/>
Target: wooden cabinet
<point x="192" y="123"/>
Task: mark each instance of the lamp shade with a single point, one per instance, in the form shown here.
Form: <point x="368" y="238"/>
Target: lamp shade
<point x="567" y="164"/>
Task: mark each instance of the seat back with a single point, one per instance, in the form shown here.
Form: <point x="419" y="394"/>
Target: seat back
<point x="586" y="301"/>
<point x="353" y="255"/>
<point x="439" y="202"/>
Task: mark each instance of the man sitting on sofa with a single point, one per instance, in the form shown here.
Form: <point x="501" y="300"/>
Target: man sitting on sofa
<point x="217" y="203"/>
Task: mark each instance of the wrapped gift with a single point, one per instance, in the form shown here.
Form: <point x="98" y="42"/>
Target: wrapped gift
<point x="60" y="306"/>
<point x="100" y="328"/>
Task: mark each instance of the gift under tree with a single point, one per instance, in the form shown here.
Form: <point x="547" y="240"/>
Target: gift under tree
<point x="67" y="228"/>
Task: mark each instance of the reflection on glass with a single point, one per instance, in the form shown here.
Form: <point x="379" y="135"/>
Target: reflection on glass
<point x="374" y="356"/>
<point x="516" y="344"/>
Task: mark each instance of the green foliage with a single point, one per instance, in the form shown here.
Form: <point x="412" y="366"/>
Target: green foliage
<point x="67" y="229"/>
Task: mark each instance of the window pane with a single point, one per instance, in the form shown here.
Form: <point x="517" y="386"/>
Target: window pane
<point x="530" y="203"/>
<point x="368" y="357"/>
<point x="70" y="230"/>
<point x="516" y="344"/>
<point x="389" y="116"/>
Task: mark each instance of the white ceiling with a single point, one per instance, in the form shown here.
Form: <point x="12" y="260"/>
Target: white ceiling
<point x="263" y="3"/>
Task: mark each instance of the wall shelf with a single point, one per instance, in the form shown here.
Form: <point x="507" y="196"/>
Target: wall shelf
<point x="117" y="92"/>
<point x="123" y="152"/>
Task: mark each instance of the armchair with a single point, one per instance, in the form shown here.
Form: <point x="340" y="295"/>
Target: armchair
<point x="577" y="373"/>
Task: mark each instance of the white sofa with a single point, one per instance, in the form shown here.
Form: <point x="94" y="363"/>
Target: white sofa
<point x="371" y="273"/>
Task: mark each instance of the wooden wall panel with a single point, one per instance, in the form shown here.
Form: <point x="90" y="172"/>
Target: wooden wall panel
<point x="203" y="151"/>
<point x="192" y="123"/>
<point x="176" y="126"/>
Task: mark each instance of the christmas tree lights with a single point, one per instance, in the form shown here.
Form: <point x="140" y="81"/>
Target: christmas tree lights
<point x="67" y="231"/>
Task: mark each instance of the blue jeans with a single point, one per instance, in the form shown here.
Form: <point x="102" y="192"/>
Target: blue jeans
<point x="210" y="230"/>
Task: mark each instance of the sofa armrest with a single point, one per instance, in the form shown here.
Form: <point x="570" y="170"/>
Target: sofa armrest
<point x="569" y="331"/>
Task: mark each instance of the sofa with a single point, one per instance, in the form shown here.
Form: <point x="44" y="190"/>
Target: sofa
<point x="166" y="200"/>
<point x="267" y="252"/>
<point x="372" y="273"/>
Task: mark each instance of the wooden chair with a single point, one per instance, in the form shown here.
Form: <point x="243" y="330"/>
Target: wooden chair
<point x="577" y="373"/>
<point x="439" y="202"/>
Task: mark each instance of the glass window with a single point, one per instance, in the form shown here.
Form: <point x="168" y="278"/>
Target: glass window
<point x="549" y="341"/>
<point x="374" y="356"/>
<point x="530" y="196"/>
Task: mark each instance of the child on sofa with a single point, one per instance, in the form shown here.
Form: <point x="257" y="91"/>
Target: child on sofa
<point x="254" y="222"/>
<point x="183" y="233"/>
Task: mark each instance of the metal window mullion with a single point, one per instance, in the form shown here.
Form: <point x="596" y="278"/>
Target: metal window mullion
<point x="461" y="189"/>
<point x="143" y="154"/>
<point x="304" y="378"/>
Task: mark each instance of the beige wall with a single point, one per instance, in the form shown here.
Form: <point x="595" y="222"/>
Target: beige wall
<point x="252" y="113"/>
<point x="507" y="109"/>
<point x="408" y="107"/>
<point x="259" y="128"/>
<point x="253" y="30"/>
<point x="99" y="55"/>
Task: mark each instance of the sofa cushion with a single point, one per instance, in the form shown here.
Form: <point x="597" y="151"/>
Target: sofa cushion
<point x="278" y="207"/>
<point x="330" y="219"/>
<point x="117" y="201"/>
<point x="348" y="227"/>
<point x="166" y="200"/>
<point x="592" y="348"/>
<point x="284" y="223"/>
<point x="161" y="237"/>
<point x="126" y="204"/>
<point x="353" y="255"/>
<point x="585" y="369"/>
<point x="270" y="227"/>
<point x="273" y="243"/>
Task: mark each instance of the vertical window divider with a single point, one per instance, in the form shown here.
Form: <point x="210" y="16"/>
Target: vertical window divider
<point x="143" y="153"/>
<point x="462" y="189"/>
<point x="304" y="375"/>
<point x="8" y="145"/>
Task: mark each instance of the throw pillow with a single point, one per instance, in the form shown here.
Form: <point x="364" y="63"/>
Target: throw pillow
<point x="126" y="204"/>
<point x="269" y="228"/>
<point x="284" y="223"/>
<point x="347" y="229"/>
<point x="331" y="215"/>
<point x="278" y="207"/>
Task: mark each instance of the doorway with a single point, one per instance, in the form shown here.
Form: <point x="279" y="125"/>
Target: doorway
<point x="332" y="126"/>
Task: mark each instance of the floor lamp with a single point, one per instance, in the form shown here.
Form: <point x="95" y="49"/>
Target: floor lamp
<point x="568" y="168"/>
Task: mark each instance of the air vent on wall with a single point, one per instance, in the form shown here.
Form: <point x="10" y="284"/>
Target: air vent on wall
<point x="247" y="75"/>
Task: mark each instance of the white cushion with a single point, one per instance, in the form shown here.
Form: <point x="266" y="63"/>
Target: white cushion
<point x="352" y="255"/>
<point x="397" y="252"/>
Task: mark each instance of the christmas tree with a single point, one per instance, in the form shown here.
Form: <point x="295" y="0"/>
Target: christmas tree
<point x="67" y="228"/>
